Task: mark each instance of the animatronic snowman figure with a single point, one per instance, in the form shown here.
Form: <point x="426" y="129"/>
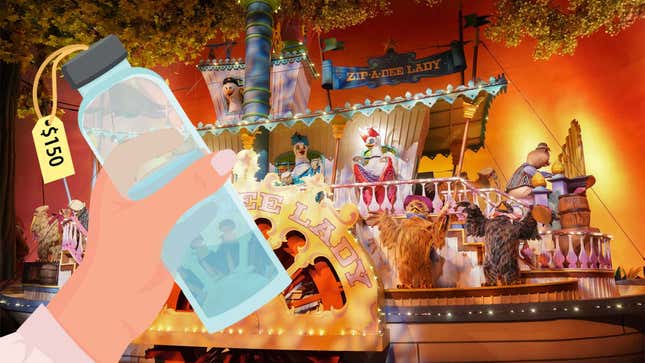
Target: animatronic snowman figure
<point x="233" y="93"/>
<point x="376" y="164"/>
<point x="303" y="166"/>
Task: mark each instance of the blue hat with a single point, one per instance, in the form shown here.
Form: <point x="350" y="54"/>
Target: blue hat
<point x="296" y="138"/>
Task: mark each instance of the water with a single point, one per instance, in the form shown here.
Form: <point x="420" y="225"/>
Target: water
<point x="225" y="269"/>
<point x="215" y="252"/>
<point x="157" y="178"/>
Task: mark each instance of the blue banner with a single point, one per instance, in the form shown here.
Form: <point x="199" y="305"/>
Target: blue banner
<point x="394" y="68"/>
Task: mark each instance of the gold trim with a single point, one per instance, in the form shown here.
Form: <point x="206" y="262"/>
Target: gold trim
<point x="485" y="291"/>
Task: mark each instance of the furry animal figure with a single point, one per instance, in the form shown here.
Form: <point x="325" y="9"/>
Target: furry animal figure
<point x="501" y="237"/>
<point x="415" y="240"/>
<point x="233" y="93"/>
<point x="45" y="230"/>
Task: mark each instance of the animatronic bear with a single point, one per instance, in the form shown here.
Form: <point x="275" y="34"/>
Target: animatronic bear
<point x="501" y="235"/>
<point x="519" y="186"/>
<point x="415" y="240"/>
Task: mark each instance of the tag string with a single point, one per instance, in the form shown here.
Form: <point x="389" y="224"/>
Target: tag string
<point x="56" y="56"/>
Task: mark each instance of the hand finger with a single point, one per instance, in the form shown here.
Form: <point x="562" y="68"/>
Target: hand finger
<point x="200" y="180"/>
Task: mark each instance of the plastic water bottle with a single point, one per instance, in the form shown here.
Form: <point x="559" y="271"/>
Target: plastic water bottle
<point x="142" y="137"/>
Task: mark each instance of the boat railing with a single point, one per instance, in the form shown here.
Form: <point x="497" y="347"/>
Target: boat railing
<point x="562" y="249"/>
<point x="390" y="195"/>
<point x="557" y="249"/>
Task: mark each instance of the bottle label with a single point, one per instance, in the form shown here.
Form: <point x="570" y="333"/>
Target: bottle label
<point x="52" y="149"/>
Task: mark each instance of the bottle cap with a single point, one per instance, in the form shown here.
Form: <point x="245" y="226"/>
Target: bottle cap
<point x="94" y="62"/>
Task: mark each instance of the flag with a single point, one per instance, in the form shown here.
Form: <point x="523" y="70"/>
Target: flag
<point x="330" y="44"/>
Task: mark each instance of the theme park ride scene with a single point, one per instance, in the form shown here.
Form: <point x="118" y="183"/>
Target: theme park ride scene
<point x="412" y="181"/>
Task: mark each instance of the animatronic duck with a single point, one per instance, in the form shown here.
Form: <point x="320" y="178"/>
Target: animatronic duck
<point x="303" y="166"/>
<point x="519" y="186"/>
<point x="233" y="93"/>
<point x="377" y="163"/>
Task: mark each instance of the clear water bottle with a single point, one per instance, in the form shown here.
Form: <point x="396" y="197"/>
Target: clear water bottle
<point x="142" y="137"/>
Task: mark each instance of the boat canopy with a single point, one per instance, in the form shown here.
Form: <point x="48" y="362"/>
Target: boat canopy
<point x="445" y="124"/>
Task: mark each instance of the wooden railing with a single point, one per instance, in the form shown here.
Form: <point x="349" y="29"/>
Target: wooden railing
<point x="389" y="195"/>
<point x="573" y="250"/>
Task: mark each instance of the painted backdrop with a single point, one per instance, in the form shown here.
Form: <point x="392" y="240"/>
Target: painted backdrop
<point x="601" y="85"/>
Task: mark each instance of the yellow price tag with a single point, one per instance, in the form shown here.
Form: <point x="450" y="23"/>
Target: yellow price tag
<point x="52" y="149"/>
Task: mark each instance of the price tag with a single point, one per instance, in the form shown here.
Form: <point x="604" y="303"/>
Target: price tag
<point x="52" y="149"/>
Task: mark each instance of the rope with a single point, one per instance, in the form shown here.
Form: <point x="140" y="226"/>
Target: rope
<point x="496" y="163"/>
<point x="56" y="56"/>
<point x="544" y="124"/>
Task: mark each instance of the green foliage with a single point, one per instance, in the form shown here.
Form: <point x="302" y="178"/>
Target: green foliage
<point x="326" y="15"/>
<point x="161" y="32"/>
<point x="156" y="32"/>
<point x="557" y="28"/>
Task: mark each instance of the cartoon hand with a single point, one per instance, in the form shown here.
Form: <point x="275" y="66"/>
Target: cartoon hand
<point x="122" y="284"/>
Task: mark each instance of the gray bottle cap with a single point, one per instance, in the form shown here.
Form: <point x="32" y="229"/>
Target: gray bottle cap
<point x="94" y="62"/>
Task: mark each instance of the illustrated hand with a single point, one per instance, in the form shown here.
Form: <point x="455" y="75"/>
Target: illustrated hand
<point x="122" y="283"/>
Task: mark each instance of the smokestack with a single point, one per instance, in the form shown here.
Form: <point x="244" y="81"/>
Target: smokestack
<point x="258" y="43"/>
<point x="257" y="91"/>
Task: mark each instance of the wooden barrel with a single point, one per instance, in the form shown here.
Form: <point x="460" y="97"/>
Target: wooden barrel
<point x="49" y="274"/>
<point x="574" y="211"/>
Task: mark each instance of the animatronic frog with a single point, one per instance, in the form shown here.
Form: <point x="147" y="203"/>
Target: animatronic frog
<point x="377" y="163"/>
<point x="233" y="93"/>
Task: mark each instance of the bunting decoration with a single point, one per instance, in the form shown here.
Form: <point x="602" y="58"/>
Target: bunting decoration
<point x="495" y="86"/>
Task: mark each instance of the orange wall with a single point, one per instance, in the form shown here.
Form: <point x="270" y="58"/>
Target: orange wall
<point x="601" y="86"/>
